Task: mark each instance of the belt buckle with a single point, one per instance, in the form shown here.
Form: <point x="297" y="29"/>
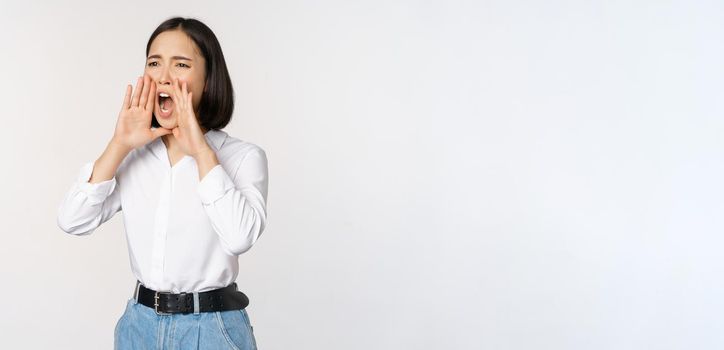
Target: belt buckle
<point x="155" y="305"/>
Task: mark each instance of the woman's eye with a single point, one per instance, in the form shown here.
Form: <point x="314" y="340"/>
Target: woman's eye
<point x="154" y="64"/>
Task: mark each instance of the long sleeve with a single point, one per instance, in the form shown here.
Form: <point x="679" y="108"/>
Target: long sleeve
<point x="87" y="205"/>
<point x="236" y="206"/>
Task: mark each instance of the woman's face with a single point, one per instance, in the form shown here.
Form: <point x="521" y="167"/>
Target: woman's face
<point x="174" y="55"/>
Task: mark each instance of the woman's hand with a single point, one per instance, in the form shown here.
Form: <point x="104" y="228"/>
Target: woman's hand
<point x="188" y="133"/>
<point x="133" y="128"/>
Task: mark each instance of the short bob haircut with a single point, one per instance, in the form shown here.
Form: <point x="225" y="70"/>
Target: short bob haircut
<point x="217" y="102"/>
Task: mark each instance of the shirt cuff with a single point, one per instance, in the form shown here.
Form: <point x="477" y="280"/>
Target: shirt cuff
<point x="96" y="192"/>
<point x="214" y="185"/>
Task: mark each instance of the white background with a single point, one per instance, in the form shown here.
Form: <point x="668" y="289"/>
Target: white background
<point x="443" y="174"/>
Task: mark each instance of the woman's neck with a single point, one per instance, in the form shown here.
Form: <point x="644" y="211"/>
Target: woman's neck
<point x="172" y="143"/>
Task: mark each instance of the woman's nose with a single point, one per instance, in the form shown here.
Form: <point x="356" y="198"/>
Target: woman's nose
<point x="165" y="77"/>
<point x="164" y="81"/>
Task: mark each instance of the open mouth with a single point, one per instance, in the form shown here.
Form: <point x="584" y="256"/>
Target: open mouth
<point x="165" y="104"/>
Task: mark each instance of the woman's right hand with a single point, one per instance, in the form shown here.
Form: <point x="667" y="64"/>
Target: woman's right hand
<point x="133" y="128"/>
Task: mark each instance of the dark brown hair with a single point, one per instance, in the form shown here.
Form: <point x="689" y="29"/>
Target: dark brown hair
<point x="217" y="102"/>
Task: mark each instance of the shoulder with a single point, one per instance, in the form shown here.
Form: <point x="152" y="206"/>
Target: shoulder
<point x="235" y="149"/>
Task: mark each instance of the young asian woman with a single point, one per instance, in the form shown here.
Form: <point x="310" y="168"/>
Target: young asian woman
<point x="194" y="198"/>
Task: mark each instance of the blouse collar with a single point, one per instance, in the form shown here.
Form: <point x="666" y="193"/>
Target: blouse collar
<point x="215" y="138"/>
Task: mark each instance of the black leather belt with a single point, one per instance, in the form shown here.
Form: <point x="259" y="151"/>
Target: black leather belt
<point x="166" y="303"/>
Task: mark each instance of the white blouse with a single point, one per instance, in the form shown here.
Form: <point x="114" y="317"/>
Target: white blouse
<point x="184" y="235"/>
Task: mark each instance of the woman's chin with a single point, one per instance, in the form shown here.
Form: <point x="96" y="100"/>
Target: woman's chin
<point x="169" y="123"/>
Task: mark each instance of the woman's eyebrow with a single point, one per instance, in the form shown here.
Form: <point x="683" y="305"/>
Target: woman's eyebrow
<point x="172" y="57"/>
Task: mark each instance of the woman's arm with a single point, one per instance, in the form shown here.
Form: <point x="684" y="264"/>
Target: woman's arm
<point x="107" y="164"/>
<point x="94" y="197"/>
<point x="236" y="205"/>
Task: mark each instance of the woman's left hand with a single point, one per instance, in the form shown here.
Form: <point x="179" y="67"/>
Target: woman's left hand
<point x="188" y="133"/>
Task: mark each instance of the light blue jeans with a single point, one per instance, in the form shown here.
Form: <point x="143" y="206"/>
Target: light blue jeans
<point x="141" y="328"/>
